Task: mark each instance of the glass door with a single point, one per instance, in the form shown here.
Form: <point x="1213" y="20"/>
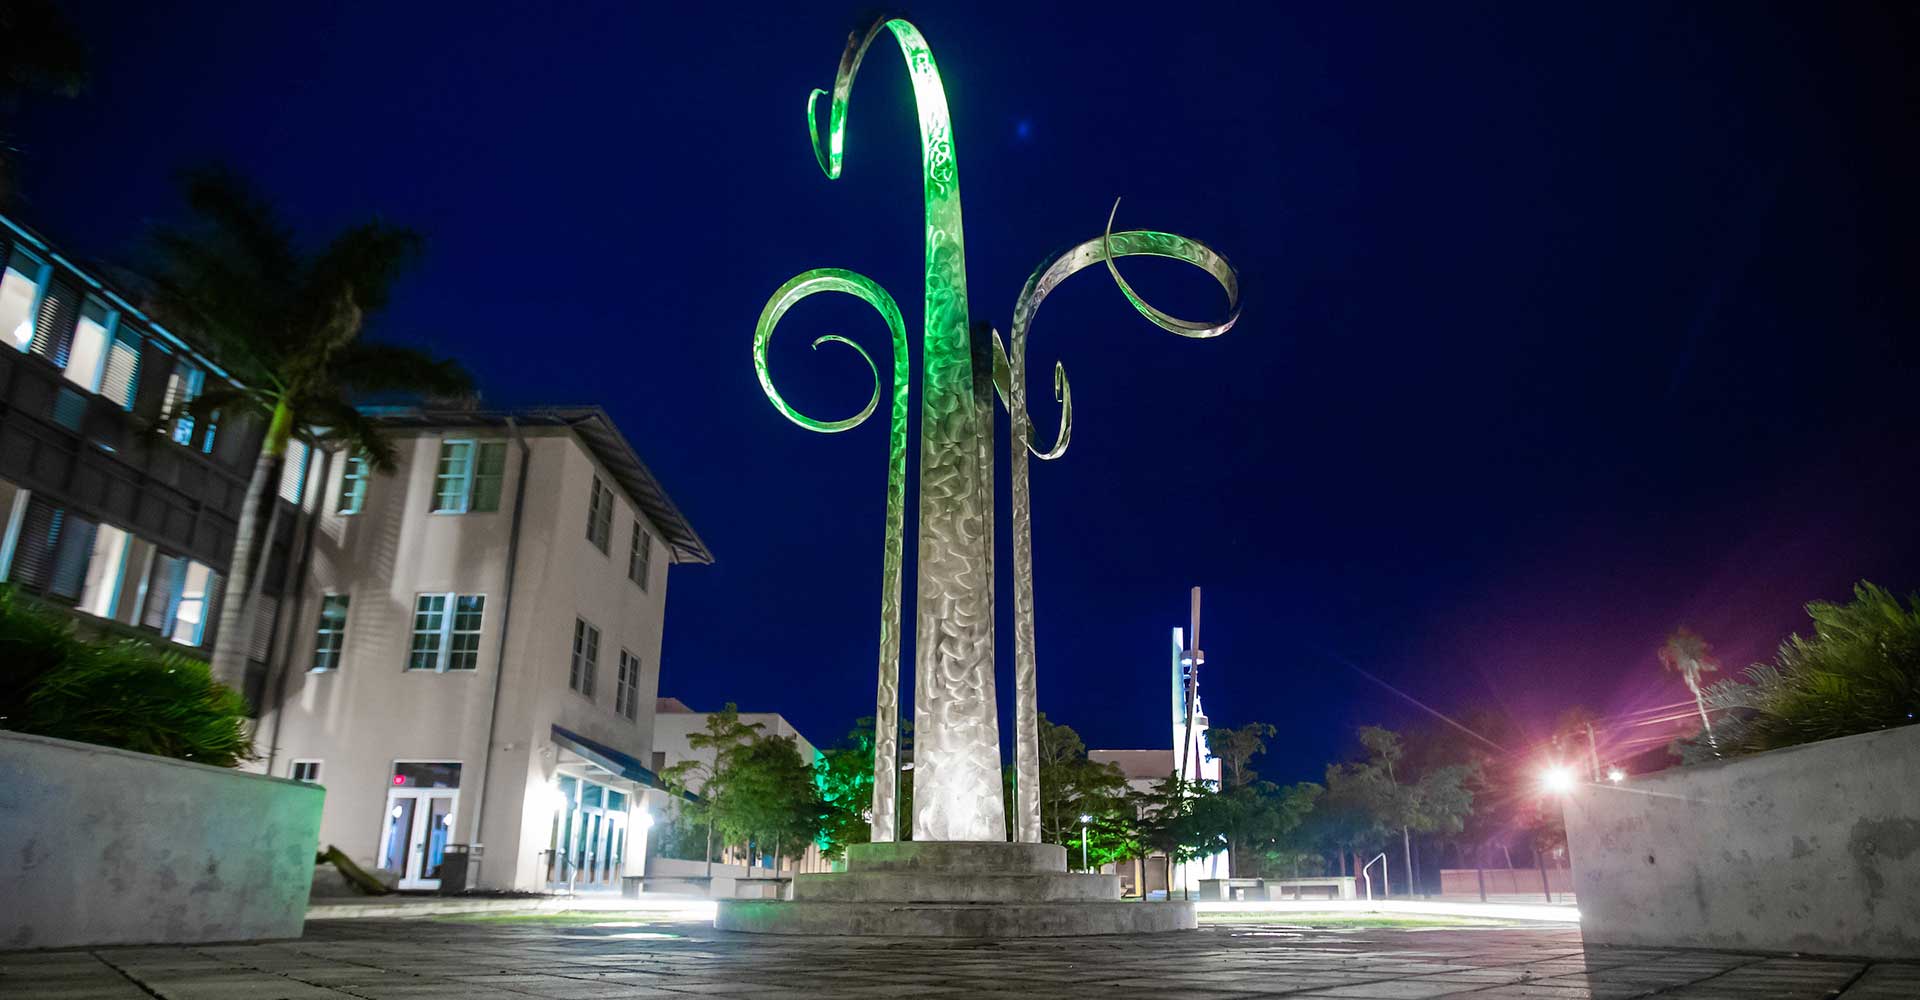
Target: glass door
<point x="418" y="823"/>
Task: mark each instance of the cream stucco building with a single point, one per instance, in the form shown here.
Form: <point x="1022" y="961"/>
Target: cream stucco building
<point x="472" y="651"/>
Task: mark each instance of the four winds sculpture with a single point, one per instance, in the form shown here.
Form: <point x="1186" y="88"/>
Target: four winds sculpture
<point x="957" y="787"/>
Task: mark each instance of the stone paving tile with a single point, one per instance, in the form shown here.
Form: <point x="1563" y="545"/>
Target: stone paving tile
<point x="423" y="959"/>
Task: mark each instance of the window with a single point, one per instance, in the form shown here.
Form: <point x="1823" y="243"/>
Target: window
<point x="446" y="632"/>
<point x="87" y="355"/>
<point x="331" y="637"/>
<point x="626" y="696"/>
<point x="183" y="387"/>
<point x="305" y="770"/>
<point x="353" y="486"/>
<point x="467" y="477"/>
<point x="293" y="474"/>
<point x="120" y="378"/>
<point x="190" y="613"/>
<point x="586" y="657"/>
<point x="639" y="555"/>
<point x="100" y="595"/>
<point x="600" y="516"/>
<point x="20" y="297"/>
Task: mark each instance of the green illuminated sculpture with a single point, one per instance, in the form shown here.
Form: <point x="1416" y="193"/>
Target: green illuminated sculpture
<point x="957" y="787"/>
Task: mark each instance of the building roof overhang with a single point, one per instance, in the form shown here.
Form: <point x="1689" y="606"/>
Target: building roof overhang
<point x="611" y="760"/>
<point x="597" y="431"/>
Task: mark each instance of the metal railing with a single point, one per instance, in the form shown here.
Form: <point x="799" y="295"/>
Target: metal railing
<point x="1385" y="888"/>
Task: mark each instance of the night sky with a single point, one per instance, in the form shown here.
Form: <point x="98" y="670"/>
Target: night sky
<point x="1564" y="325"/>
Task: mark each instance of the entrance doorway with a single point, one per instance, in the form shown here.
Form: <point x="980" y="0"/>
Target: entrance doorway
<point x="418" y="823"/>
<point x="589" y="838"/>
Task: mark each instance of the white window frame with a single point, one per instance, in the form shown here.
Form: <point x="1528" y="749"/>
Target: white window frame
<point x="443" y="651"/>
<point x="108" y="331"/>
<point x="640" y="555"/>
<point x="321" y="633"/>
<point x="293" y="769"/>
<point x="584" y="663"/>
<point x="626" y="691"/>
<point x="41" y="278"/>
<point x="600" y="517"/>
<point x="354" y="474"/>
<point x="469" y="477"/>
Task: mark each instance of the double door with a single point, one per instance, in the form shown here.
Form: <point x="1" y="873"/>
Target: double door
<point x="419" y="822"/>
<point x="590" y="835"/>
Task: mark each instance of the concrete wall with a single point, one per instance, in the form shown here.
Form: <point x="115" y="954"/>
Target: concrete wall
<point x="1811" y="849"/>
<point x="106" y="846"/>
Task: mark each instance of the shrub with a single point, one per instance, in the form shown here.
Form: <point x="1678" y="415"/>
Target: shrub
<point x="122" y="693"/>
<point x="1859" y="673"/>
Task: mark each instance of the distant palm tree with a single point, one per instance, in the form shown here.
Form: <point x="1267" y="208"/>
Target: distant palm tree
<point x="286" y="323"/>
<point x="1688" y="655"/>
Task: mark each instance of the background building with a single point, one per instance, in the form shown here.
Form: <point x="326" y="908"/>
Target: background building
<point x="674" y="722"/>
<point x="475" y="648"/>
<point x="1146" y="768"/>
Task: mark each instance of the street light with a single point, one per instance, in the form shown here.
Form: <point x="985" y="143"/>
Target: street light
<point x="1616" y="775"/>
<point x="1084" y="820"/>
<point x="1558" y="779"/>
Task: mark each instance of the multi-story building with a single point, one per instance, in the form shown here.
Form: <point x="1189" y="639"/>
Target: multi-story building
<point x="116" y="504"/>
<point x="475" y="648"/>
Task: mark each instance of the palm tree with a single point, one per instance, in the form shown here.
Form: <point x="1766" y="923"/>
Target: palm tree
<point x="1688" y="655"/>
<point x="286" y="322"/>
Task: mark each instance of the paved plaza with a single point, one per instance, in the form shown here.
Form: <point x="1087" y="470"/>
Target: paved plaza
<point x="619" y="957"/>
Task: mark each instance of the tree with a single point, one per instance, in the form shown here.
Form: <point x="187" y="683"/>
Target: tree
<point x="1687" y="654"/>
<point x="1858" y="673"/>
<point x="287" y="322"/>
<point x="1236" y="748"/>
<point x="704" y="778"/>
<point x="844" y="775"/>
<point x="771" y="797"/>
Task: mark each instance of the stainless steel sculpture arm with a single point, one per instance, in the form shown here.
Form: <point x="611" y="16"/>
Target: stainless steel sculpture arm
<point x="886" y="710"/>
<point x="1010" y="380"/>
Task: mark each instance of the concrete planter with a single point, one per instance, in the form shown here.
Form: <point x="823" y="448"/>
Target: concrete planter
<point x="105" y="846"/>
<point x="1812" y="849"/>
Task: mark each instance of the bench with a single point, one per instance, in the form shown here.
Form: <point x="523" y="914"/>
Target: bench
<point x="632" y="885"/>
<point x="1338" y="886"/>
<point x="1222" y="889"/>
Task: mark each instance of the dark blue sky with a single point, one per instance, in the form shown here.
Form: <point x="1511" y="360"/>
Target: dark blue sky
<point x="1564" y="324"/>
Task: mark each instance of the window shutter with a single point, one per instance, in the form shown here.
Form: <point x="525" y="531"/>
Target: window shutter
<point x="72" y="551"/>
<point x="33" y="555"/>
<point x="162" y="590"/>
<point x="122" y="376"/>
<point x="53" y="330"/>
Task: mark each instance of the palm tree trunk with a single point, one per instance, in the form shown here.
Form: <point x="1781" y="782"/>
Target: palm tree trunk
<point x="229" y="659"/>
<point x="1700" y="703"/>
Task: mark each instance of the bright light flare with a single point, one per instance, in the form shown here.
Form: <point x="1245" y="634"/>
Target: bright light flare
<point x="1616" y="775"/>
<point x="1558" y="780"/>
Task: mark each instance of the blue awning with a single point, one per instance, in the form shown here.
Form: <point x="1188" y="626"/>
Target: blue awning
<point x="613" y="760"/>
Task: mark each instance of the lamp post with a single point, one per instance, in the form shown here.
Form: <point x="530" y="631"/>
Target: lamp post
<point x="1084" y="820"/>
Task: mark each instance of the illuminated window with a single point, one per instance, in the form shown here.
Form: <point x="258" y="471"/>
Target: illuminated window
<point x="120" y="376"/>
<point x="100" y="595"/>
<point x="586" y="657"/>
<point x="293" y="474"/>
<point x="600" y="516"/>
<point x="626" y="695"/>
<point x="20" y="297"/>
<point x="190" y="613"/>
<point x="87" y="356"/>
<point x="353" y="486"/>
<point x="331" y="636"/>
<point x="446" y="632"/>
<point x="639" y="555"/>
<point x="184" y="384"/>
<point x="468" y="475"/>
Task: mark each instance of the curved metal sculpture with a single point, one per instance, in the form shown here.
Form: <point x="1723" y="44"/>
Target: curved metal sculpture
<point x="957" y="754"/>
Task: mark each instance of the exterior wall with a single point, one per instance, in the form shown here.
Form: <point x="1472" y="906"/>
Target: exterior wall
<point x="372" y="711"/>
<point x="1811" y="849"/>
<point x="107" y="846"/>
<point x="671" y="729"/>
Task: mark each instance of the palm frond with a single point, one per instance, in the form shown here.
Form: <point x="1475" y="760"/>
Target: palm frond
<point x="364" y="368"/>
<point x="350" y="429"/>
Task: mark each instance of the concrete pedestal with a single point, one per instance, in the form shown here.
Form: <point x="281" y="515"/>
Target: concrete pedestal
<point x="955" y="889"/>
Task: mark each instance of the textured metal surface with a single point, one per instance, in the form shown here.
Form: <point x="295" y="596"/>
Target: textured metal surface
<point x="957" y="786"/>
<point x="1010" y="380"/>
<point x="886" y="709"/>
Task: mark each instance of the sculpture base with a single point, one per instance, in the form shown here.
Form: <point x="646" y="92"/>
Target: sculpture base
<point x="952" y="889"/>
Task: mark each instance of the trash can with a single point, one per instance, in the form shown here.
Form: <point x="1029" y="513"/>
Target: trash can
<point x="456" y="865"/>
